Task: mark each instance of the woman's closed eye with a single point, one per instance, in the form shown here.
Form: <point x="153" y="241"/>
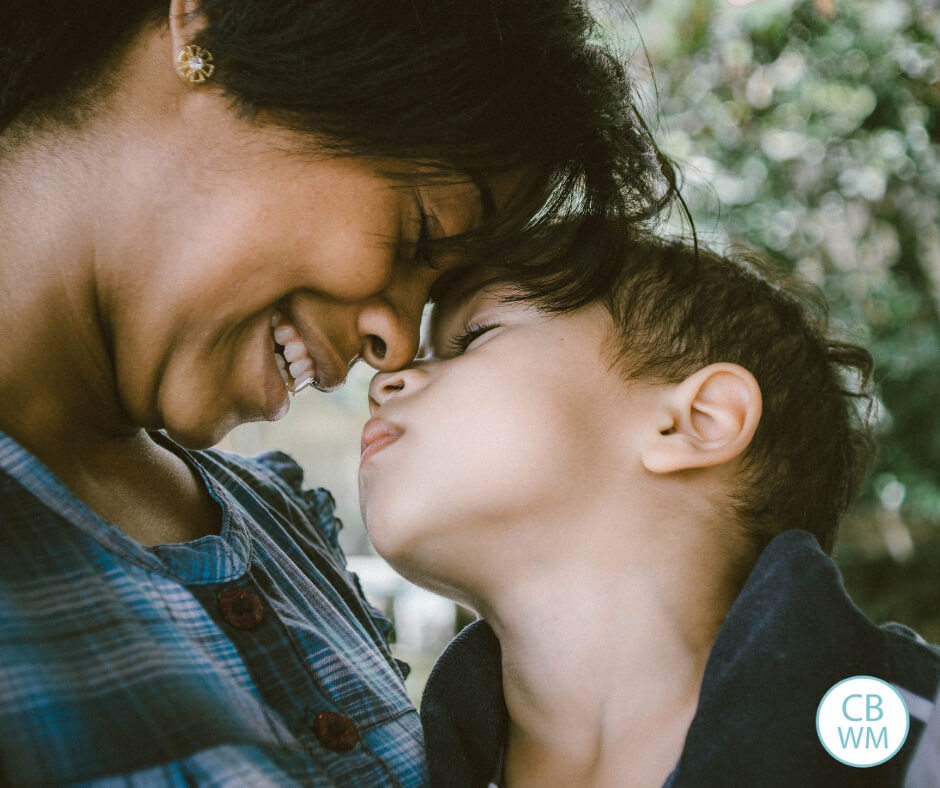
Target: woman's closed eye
<point x="471" y="332"/>
<point x="428" y="229"/>
<point x="422" y="255"/>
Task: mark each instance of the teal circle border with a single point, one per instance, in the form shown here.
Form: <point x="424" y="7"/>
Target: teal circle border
<point x="907" y="717"/>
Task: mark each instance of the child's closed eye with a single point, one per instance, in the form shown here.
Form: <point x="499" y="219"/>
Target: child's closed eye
<point x="462" y="342"/>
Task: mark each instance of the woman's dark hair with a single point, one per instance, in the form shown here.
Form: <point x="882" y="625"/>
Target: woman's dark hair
<point x="474" y="87"/>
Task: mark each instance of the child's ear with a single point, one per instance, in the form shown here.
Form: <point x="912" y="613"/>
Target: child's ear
<point x="707" y="419"/>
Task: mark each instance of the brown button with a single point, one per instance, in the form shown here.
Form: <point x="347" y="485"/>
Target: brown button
<point x="335" y="731"/>
<point x="241" y="608"/>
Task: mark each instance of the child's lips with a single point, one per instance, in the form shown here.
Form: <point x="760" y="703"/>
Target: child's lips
<point x="376" y="435"/>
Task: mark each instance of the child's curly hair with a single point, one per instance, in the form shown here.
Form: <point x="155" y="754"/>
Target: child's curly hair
<point x="678" y="309"/>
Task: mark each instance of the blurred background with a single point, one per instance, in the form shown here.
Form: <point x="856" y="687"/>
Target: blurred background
<point x="809" y="131"/>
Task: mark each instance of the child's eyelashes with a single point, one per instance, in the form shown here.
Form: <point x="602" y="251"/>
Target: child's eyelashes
<point x="461" y="343"/>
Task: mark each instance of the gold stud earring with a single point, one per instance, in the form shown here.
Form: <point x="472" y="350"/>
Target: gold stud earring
<point x="194" y="64"/>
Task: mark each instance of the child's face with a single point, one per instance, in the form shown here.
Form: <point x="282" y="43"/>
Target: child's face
<point x="514" y="419"/>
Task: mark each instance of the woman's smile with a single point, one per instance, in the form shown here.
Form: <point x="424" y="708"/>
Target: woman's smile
<point x="299" y="366"/>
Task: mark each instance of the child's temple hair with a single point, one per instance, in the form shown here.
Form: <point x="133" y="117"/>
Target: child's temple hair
<point x="677" y="309"/>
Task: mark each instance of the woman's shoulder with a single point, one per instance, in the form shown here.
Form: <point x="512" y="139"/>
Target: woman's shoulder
<point x="276" y="481"/>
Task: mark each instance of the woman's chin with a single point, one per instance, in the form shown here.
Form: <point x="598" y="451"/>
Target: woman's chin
<point x="200" y="437"/>
<point x="191" y="431"/>
<point x="194" y="432"/>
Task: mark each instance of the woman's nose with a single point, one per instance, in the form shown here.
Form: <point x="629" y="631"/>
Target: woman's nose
<point x="375" y="350"/>
<point x="389" y="326"/>
<point x="389" y="338"/>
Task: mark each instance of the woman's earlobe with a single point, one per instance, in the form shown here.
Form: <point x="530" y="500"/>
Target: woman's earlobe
<point x="708" y="419"/>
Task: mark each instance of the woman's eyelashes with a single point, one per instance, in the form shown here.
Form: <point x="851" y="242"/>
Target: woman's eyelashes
<point x="428" y="229"/>
<point x="422" y="250"/>
<point x="471" y="332"/>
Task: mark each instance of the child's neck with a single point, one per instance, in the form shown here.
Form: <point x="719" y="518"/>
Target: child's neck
<point x="602" y="669"/>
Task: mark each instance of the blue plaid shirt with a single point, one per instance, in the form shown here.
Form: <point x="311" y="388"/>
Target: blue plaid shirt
<point x="250" y="658"/>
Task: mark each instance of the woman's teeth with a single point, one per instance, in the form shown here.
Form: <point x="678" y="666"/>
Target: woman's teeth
<point x="290" y="354"/>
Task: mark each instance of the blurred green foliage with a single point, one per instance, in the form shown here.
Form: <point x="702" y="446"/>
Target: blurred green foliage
<point x="808" y="130"/>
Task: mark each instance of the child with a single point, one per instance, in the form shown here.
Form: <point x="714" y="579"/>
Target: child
<point x="638" y="496"/>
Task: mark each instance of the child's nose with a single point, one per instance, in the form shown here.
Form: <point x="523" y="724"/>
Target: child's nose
<point x="383" y="387"/>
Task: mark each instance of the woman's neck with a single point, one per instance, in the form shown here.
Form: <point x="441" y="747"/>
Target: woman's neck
<point x="68" y="235"/>
<point x="55" y="379"/>
<point x="57" y="392"/>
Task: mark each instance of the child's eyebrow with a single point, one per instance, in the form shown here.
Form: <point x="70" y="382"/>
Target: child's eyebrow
<point x="454" y="287"/>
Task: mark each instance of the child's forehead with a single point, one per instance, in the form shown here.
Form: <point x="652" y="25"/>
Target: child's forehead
<point x="462" y="300"/>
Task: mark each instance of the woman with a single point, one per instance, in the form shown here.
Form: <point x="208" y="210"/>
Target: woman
<point x="205" y="204"/>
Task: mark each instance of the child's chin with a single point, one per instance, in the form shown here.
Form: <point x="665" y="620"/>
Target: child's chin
<point x="396" y="554"/>
<point x="405" y="557"/>
<point x="389" y="542"/>
<point x="419" y="555"/>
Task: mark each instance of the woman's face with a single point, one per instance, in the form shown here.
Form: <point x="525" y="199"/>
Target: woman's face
<point x="240" y="230"/>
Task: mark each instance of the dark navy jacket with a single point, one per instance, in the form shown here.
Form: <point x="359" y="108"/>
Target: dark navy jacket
<point x="791" y="634"/>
